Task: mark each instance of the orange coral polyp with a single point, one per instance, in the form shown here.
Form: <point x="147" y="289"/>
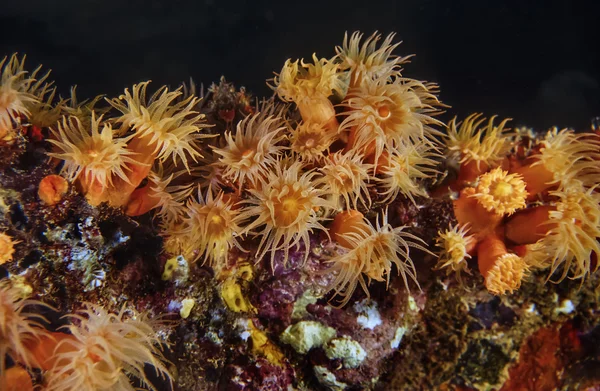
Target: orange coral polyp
<point x="52" y="189"/>
<point x="500" y="192"/>
<point x="286" y="208"/>
<point x="344" y="223"/>
<point x="529" y="225"/>
<point x="501" y="270"/>
<point x="537" y="177"/>
<point x="469" y="211"/>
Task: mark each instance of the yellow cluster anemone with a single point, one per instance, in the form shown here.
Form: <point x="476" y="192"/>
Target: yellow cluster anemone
<point x="310" y="86"/>
<point x="384" y="115"/>
<point x="164" y="127"/>
<point x="346" y="177"/>
<point x="92" y="154"/>
<point x="402" y="169"/>
<point x="563" y="156"/>
<point x="574" y="231"/>
<point x="365" y="61"/>
<point x="368" y="253"/>
<point x="18" y="326"/>
<point x="456" y="245"/>
<point x="286" y="208"/>
<point x="253" y="150"/>
<point x="161" y="194"/>
<point x="477" y="146"/>
<point x="104" y="350"/>
<point x="14" y="94"/>
<point x="500" y="192"/>
<point x="310" y="141"/>
<point x="211" y="227"/>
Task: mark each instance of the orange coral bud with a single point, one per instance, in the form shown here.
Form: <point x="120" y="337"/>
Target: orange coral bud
<point x="537" y="177"/>
<point x="16" y="379"/>
<point x="7" y="248"/>
<point x="52" y="189"/>
<point x="529" y="225"/>
<point x="141" y="201"/>
<point x="348" y="221"/>
<point x="43" y="349"/>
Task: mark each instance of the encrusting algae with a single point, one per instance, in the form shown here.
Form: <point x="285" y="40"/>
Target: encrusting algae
<point x="323" y="181"/>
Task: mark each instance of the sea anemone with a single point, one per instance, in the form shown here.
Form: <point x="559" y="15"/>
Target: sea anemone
<point x="95" y="156"/>
<point x="403" y="168"/>
<point x="563" y="156"/>
<point x="160" y="193"/>
<point x="253" y="150"/>
<point x="14" y="94"/>
<point x="456" y="246"/>
<point x="384" y="116"/>
<point x="211" y="227"/>
<point x="500" y="192"/>
<point x="574" y="231"/>
<point x="310" y="141"/>
<point x="477" y="148"/>
<point x="163" y="125"/>
<point x="18" y="327"/>
<point x="286" y="207"/>
<point x="105" y="350"/>
<point x="345" y="176"/>
<point x="309" y="86"/>
<point x="367" y="62"/>
<point x="368" y="253"/>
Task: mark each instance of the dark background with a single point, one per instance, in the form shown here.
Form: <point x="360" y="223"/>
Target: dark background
<point x="535" y="61"/>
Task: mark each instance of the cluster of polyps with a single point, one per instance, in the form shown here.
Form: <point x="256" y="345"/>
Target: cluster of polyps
<point x="535" y="207"/>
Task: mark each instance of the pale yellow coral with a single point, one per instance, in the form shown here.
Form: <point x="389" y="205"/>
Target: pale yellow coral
<point x="168" y="126"/>
<point x="405" y="167"/>
<point x="570" y="156"/>
<point x="574" y="232"/>
<point x="93" y="154"/>
<point x="369" y="253"/>
<point x="366" y="61"/>
<point x="310" y="141"/>
<point x="299" y="80"/>
<point x="384" y="116"/>
<point x="211" y="227"/>
<point x="500" y="192"/>
<point x="469" y="142"/>
<point x="309" y="86"/>
<point x="346" y="177"/>
<point x="253" y="150"/>
<point x="286" y="208"/>
<point x="15" y="94"/>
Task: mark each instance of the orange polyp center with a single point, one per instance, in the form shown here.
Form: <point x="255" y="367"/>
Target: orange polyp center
<point x="248" y="154"/>
<point x="310" y="143"/>
<point x="289" y="205"/>
<point x="216" y="220"/>
<point x="347" y="222"/>
<point x="384" y="111"/>
<point x="502" y="189"/>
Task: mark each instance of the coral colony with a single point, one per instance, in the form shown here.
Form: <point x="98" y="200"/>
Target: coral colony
<point x="338" y="236"/>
